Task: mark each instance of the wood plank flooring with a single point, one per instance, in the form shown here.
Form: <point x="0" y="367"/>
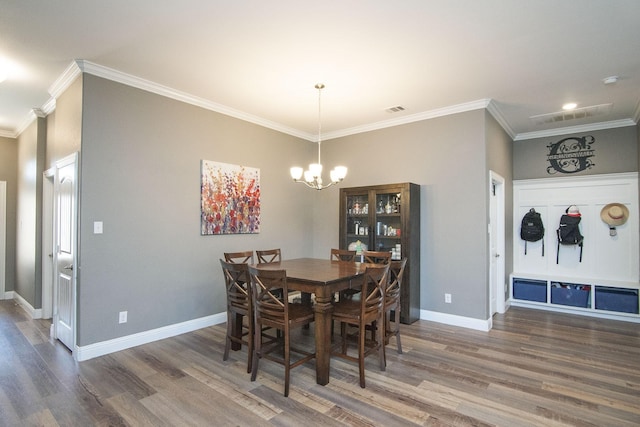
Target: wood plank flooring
<point x="534" y="368"/>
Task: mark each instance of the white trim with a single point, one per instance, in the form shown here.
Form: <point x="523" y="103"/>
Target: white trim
<point x="625" y="317"/>
<point x="3" y="234"/>
<point x="426" y="115"/>
<point x="454" y="320"/>
<point x="9" y="295"/>
<point x="90" y="351"/>
<point x="501" y="244"/>
<point x="499" y="117"/>
<point x="34" y="313"/>
<point x="575" y="129"/>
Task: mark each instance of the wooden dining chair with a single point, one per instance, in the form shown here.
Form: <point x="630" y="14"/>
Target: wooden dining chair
<point x="392" y="302"/>
<point x="376" y="257"/>
<point x="272" y="311"/>
<point x="269" y="255"/>
<point x="359" y="313"/>
<point x="343" y="255"/>
<point x="239" y="307"/>
<point x="244" y="257"/>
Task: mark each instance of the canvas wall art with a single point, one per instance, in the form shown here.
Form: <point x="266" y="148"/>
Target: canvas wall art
<point x="229" y="199"/>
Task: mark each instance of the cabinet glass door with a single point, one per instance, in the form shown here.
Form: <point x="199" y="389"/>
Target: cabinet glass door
<point x="388" y="224"/>
<point x="357" y="226"/>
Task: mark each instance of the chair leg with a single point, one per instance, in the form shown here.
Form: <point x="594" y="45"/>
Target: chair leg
<point x="381" y="355"/>
<point x="257" y="348"/>
<point x="287" y="364"/>
<point x="361" y="339"/>
<point x="250" y="345"/>
<point x="227" y="344"/>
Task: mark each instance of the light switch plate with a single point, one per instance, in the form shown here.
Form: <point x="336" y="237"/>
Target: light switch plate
<point x="97" y="227"/>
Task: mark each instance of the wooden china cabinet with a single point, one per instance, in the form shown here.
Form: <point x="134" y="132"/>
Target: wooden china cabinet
<point x="386" y="218"/>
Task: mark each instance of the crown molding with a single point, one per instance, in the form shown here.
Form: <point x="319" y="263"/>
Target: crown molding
<point x="575" y="129"/>
<point x="426" y="115"/>
<point x="499" y="117"/>
<point x="68" y="76"/>
<point x="8" y="134"/>
<point x="158" y="89"/>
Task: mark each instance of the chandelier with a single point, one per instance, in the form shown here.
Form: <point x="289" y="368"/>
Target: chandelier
<point x="313" y="175"/>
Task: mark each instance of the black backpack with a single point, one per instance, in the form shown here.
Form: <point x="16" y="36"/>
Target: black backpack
<point x="569" y="233"/>
<point x="532" y="228"/>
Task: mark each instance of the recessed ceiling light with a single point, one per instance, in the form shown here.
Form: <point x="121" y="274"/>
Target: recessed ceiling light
<point x="610" y="80"/>
<point x="569" y="106"/>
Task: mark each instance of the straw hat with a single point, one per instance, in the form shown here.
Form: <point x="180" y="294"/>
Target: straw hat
<point x="614" y="214"/>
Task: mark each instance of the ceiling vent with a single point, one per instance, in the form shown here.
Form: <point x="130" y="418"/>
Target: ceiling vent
<point x="578" y="113"/>
<point x="395" y="109"/>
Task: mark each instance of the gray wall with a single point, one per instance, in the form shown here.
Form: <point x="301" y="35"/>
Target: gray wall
<point x="615" y="150"/>
<point x="31" y="156"/>
<point x="9" y="173"/>
<point x="140" y="162"/>
<point x="446" y="157"/>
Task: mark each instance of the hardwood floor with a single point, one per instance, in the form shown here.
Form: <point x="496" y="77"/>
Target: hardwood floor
<point x="534" y="368"/>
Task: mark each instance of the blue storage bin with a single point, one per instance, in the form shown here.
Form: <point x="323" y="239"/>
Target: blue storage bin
<point x="617" y="299"/>
<point x="530" y="290"/>
<point x="570" y="294"/>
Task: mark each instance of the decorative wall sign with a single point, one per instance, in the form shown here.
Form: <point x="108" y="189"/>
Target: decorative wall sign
<point x="571" y="155"/>
<point x="229" y="199"/>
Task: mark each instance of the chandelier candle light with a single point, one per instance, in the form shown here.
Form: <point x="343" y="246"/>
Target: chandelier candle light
<point x="313" y="175"/>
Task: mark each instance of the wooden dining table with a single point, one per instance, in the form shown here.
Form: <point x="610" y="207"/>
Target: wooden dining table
<point x="323" y="278"/>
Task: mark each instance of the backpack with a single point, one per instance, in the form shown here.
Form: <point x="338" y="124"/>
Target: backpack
<point x="532" y="228"/>
<point x="569" y="231"/>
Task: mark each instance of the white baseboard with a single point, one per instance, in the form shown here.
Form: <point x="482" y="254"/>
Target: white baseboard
<point x="35" y="313"/>
<point x="90" y="351"/>
<point x="8" y="295"/>
<point x="454" y="320"/>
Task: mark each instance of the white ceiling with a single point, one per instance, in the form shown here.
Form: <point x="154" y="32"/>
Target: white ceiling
<point x="260" y="59"/>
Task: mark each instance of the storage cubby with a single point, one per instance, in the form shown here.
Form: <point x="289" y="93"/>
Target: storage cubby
<point x="570" y="294"/>
<point x="530" y="290"/>
<point x="617" y="299"/>
<point x="604" y="282"/>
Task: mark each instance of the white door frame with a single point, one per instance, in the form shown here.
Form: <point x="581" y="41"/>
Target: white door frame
<point x="3" y="236"/>
<point x="497" y="230"/>
<point x="71" y="270"/>
<point x="47" y="243"/>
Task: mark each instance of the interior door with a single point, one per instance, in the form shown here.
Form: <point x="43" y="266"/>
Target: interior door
<point x="496" y="244"/>
<point x="65" y="250"/>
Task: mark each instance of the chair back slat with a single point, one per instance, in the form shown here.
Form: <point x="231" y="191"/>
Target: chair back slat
<point x="236" y="278"/>
<point x="396" y="273"/>
<point x="373" y="287"/>
<point x="269" y="307"/>
<point x="269" y="255"/>
<point x="376" y="257"/>
<point x="343" y="255"/>
<point x="244" y="257"/>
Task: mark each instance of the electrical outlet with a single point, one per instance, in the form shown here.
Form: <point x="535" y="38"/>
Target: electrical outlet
<point x="447" y="298"/>
<point x="123" y="317"/>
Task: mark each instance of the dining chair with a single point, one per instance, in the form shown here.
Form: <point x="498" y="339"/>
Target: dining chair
<point x="239" y="307"/>
<point x="342" y="255"/>
<point x="272" y="311"/>
<point x="376" y="257"/>
<point x="347" y="256"/>
<point x="244" y="257"/>
<point x="269" y="255"/>
<point x="359" y="313"/>
<point x="392" y="302"/>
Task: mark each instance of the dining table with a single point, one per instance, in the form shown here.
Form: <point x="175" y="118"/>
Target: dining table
<point x="322" y="278"/>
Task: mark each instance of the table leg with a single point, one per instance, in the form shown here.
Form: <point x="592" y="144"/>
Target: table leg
<point x="323" y="312"/>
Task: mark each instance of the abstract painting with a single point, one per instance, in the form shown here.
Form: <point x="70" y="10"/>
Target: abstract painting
<point x="229" y="199"/>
